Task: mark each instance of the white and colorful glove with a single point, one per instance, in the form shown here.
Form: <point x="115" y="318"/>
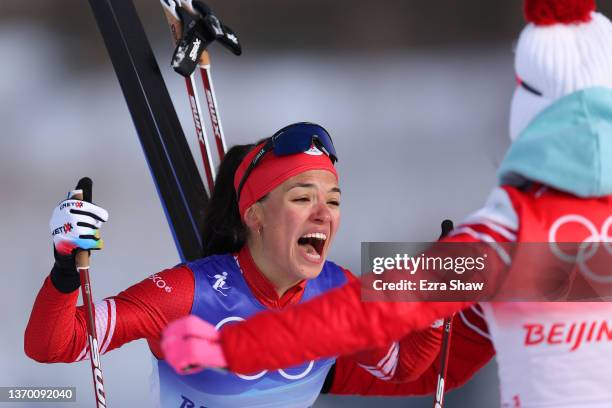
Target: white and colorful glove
<point x="191" y="344"/>
<point x="75" y="224"/>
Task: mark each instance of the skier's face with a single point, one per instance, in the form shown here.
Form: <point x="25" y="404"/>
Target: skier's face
<point x="298" y="222"/>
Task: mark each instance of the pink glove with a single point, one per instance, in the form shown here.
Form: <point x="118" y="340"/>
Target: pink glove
<point x="190" y="344"/>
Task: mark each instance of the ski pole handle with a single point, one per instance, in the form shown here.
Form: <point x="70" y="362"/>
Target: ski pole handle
<point x="82" y="259"/>
<point x="82" y="256"/>
<point x="204" y="60"/>
<point x="85" y="185"/>
<point x="82" y="266"/>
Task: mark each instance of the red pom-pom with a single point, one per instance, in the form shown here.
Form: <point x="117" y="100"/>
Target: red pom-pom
<point x="549" y="12"/>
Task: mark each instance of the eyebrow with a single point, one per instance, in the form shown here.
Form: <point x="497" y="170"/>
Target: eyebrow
<point x="310" y="185"/>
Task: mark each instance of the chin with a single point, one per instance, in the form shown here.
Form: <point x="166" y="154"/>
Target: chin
<point x="309" y="272"/>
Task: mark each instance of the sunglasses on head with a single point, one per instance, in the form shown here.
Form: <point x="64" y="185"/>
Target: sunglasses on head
<point x="296" y="138"/>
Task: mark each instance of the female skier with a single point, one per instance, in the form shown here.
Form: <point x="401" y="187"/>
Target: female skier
<point x="555" y="186"/>
<point x="271" y="220"/>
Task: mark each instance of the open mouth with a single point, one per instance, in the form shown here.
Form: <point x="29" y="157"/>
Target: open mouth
<point x="313" y="243"/>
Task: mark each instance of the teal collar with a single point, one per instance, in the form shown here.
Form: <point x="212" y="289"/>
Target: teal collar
<point x="568" y="146"/>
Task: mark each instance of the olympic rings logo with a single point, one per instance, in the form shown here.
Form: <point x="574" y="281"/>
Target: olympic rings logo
<point x="589" y="245"/>
<point x="282" y="372"/>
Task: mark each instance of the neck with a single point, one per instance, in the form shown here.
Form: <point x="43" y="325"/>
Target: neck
<point x="279" y="278"/>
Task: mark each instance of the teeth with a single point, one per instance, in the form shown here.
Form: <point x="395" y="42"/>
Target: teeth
<point x="316" y="235"/>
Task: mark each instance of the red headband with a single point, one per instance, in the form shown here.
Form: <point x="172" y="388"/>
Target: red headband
<point x="273" y="170"/>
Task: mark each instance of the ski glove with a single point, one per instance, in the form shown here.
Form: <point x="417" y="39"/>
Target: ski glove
<point x="74" y="224"/>
<point x="191" y="344"/>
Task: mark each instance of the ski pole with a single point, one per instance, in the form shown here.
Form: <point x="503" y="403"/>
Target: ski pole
<point x="228" y="38"/>
<point x="82" y="266"/>
<point x="447" y="226"/>
<point x="444" y="354"/>
<point x="213" y="109"/>
<point x="196" y="113"/>
<point x="175" y="24"/>
<point x="199" y="28"/>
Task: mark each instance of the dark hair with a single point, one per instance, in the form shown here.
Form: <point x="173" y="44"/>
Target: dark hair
<point x="223" y="231"/>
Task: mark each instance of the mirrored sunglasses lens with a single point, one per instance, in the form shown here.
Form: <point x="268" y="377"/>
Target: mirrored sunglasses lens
<point x="299" y="138"/>
<point x="291" y="141"/>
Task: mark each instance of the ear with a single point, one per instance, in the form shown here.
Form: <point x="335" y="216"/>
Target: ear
<point x="253" y="217"/>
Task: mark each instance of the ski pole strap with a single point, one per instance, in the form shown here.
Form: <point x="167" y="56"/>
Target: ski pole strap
<point x="190" y="47"/>
<point x="199" y="30"/>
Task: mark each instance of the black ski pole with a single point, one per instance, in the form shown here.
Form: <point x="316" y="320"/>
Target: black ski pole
<point x="447" y="226"/>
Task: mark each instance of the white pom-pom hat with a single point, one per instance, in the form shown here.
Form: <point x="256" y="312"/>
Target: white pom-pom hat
<point x="566" y="47"/>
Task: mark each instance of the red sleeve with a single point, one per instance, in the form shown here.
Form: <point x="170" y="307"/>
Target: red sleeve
<point x="337" y="323"/>
<point x="403" y="360"/>
<point x="56" y="331"/>
<point x="470" y="351"/>
<point x="399" y="361"/>
<point x="333" y="324"/>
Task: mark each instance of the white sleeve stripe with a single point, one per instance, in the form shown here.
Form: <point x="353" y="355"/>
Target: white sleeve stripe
<point x="463" y="230"/>
<point x="111" y="329"/>
<point x="477" y="311"/>
<point x="378" y="374"/>
<point x="391" y="355"/>
<point x="383" y="361"/>
<point x="106" y="318"/>
<point x="484" y="238"/>
<point x="474" y="327"/>
<point x="500" y="229"/>
<point x="504" y="232"/>
<point x="389" y="364"/>
<point x="84" y="352"/>
<point x="102" y="335"/>
<point x="101" y="313"/>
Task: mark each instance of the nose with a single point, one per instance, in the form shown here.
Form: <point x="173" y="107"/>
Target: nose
<point x="321" y="212"/>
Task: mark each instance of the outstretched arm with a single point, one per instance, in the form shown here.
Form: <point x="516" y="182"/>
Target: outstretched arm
<point x="470" y="350"/>
<point x="336" y="323"/>
<point x="339" y="323"/>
